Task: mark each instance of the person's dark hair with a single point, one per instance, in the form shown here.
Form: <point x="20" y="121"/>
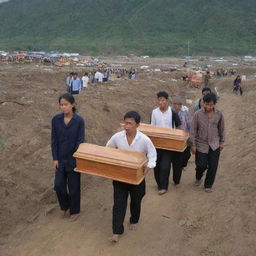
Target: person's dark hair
<point x="70" y="98"/>
<point x="210" y="97"/>
<point x="206" y="89"/>
<point x="86" y="73"/>
<point x="162" y="94"/>
<point x="134" y="115"/>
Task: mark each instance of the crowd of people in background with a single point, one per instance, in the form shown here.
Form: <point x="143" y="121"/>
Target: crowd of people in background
<point x="75" y="84"/>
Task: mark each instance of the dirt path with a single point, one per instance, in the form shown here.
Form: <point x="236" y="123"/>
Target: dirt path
<point x="184" y="222"/>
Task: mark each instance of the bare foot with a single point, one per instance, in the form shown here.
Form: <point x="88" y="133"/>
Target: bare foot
<point x="74" y="217"/>
<point x="162" y="191"/>
<point x="208" y="190"/>
<point x="114" y="238"/>
<point x="63" y="213"/>
<point x="132" y="226"/>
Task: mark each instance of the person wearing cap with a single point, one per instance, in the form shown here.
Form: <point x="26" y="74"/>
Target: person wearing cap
<point x="185" y="119"/>
<point x="164" y="116"/>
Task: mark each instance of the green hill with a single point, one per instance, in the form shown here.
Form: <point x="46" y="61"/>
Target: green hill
<point x="149" y="27"/>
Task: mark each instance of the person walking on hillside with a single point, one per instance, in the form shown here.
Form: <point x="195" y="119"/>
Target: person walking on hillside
<point x="67" y="134"/>
<point x="199" y="102"/>
<point x="130" y="139"/>
<point x="99" y="76"/>
<point x="75" y="84"/>
<point x="164" y="116"/>
<point x="207" y="138"/>
<point x="85" y="80"/>
<point x="207" y="78"/>
<point x="237" y="86"/>
<point x="185" y="118"/>
<point x="68" y="80"/>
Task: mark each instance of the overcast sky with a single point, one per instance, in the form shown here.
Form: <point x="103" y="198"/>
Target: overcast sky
<point x="1" y="1"/>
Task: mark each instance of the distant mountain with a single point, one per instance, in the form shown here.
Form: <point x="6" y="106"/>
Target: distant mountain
<point x="148" y="27"/>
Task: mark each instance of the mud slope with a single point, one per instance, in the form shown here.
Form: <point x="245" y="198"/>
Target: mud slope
<point x="186" y="221"/>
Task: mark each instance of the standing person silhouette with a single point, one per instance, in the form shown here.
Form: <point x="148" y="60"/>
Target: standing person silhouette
<point x="131" y="139"/>
<point x="207" y="136"/>
<point x="67" y="134"/>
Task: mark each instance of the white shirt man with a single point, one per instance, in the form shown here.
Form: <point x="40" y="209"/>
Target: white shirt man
<point x="99" y="76"/>
<point x="130" y="139"/>
<point x="85" y="80"/>
<point x="141" y="143"/>
<point x="163" y="119"/>
<point x="164" y="116"/>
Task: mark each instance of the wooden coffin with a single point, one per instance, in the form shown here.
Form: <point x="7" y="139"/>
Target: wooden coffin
<point x="166" y="138"/>
<point x="116" y="164"/>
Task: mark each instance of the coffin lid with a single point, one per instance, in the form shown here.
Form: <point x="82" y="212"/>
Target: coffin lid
<point x="109" y="155"/>
<point x="163" y="132"/>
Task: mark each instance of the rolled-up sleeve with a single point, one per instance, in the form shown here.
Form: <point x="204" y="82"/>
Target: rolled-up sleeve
<point x="151" y="154"/>
<point x="176" y="119"/>
<point x="221" y="128"/>
<point x="193" y="130"/>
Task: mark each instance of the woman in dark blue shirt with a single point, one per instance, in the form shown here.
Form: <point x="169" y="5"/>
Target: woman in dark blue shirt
<point x="67" y="134"/>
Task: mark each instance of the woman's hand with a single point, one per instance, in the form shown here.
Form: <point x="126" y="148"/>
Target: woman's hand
<point x="55" y="165"/>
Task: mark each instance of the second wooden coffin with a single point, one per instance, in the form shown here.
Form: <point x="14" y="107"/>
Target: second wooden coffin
<point x="166" y="138"/>
<point x="116" y="164"/>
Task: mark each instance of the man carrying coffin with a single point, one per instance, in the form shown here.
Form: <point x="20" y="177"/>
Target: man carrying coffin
<point x="130" y="139"/>
<point x="164" y="116"/>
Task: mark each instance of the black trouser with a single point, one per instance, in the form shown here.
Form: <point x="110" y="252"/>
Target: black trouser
<point x="74" y="92"/>
<point x="163" y="164"/>
<point x="207" y="161"/>
<point x="238" y="89"/>
<point x="185" y="157"/>
<point x="67" y="187"/>
<point x="121" y="192"/>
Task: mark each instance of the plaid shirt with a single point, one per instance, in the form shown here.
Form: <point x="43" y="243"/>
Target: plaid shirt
<point x="207" y="132"/>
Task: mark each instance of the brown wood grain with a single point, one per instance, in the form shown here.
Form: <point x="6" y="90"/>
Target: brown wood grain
<point x="116" y="164"/>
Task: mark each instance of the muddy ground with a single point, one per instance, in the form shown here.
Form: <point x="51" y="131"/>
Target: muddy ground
<point x="184" y="222"/>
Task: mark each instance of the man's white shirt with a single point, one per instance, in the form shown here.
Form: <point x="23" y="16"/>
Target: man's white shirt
<point x="99" y="76"/>
<point x="85" y="80"/>
<point x="141" y="143"/>
<point x="163" y="119"/>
